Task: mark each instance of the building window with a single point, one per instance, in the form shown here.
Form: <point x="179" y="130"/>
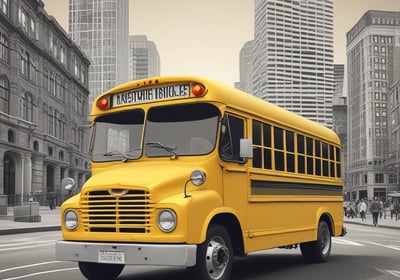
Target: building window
<point x="51" y="121"/>
<point x="11" y="136"/>
<point x="28" y="65"/>
<point x="4" y="7"/>
<point x="26" y="107"/>
<point x="52" y="84"/>
<point x="4" y="47"/>
<point x="27" y="23"/>
<point x="379" y="178"/>
<point x="4" y="94"/>
<point x="24" y="56"/>
<point x="36" y="146"/>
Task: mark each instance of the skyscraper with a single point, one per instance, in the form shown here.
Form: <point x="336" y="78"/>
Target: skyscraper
<point x="100" y="28"/>
<point x="339" y="114"/>
<point x="293" y="56"/>
<point x="371" y="49"/>
<point x="246" y="67"/>
<point x="144" y="60"/>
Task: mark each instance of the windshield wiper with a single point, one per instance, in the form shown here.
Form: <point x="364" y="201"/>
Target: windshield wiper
<point x="113" y="153"/>
<point x="169" y="149"/>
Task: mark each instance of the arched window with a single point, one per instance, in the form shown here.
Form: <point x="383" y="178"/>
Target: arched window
<point x="50" y="151"/>
<point x="36" y="146"/>
<point x="4" y="94"/>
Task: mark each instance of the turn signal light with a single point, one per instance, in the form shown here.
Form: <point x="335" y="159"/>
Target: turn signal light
<point x="198" y="90"/>
<point x="103" y="103"/>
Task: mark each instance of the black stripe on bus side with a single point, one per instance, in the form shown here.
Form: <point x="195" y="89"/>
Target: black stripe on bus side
<point x="259" y="187"/>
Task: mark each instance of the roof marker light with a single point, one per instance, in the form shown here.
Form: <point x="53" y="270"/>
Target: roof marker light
<point x="198" y="90"/>
<point x="103" y="103"/>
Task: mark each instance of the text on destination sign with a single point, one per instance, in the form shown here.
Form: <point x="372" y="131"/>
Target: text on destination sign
<point x="151" y="94"/>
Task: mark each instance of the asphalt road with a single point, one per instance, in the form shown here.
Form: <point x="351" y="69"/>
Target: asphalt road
<point x="364" y="253"/>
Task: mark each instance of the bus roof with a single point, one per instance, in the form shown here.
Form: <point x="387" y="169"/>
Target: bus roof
<point x="232" y="97"/>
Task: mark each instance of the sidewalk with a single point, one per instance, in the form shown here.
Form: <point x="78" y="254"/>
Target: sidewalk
<point x="50" y="221"/>
<point x="384" y="223"/>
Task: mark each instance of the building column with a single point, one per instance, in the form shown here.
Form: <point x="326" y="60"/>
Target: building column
<point x="27" y="173"/>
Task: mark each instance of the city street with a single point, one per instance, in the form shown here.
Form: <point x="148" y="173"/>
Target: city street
<point x="365" y="253"/>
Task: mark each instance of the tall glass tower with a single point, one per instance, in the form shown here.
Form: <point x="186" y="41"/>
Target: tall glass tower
<point x="293" y="56"/>
<point x="100" y="28"/>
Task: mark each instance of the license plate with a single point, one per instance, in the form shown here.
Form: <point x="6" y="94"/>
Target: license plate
<point x="111" y="257"/>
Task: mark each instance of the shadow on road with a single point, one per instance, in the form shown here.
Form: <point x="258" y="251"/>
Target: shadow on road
<point x="279" y="266"/>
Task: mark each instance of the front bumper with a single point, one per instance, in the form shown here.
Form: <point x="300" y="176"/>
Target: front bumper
<point x="139" y="254"/>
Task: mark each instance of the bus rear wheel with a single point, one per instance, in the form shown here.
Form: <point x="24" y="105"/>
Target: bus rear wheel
<point x="100" y="271"/>
<point x="320" y="249"/>
<point x="215" y="255"/>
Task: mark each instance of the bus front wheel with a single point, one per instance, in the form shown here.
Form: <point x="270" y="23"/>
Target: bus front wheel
<point x="100" y="271"/>
<point x="215" y="255"/>
<point x="320" y="249"/>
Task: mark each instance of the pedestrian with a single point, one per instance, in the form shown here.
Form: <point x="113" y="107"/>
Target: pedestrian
<point x="362" y="208"/>
<point x="385" y="208"/>
<point x="375" y="209"/>
<point x="392" y="205"/>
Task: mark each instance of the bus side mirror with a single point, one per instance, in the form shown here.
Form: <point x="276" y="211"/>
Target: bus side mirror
<point x="246" y="148"/>
<point x="67" y="183"/>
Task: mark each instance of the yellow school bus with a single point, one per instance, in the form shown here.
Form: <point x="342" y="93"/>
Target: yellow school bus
<point x="189" y="172"/>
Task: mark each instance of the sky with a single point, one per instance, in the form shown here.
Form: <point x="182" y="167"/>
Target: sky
<point x="205" y="37"/>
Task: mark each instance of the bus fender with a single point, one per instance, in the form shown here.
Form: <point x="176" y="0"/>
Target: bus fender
<point x="211" y="218"/>
<point x="323" y="215"/>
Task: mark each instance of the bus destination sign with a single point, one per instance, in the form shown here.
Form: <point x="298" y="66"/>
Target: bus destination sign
<point x="152" y="94"/>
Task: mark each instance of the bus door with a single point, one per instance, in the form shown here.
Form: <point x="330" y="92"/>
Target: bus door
<point x="235" y="176"/>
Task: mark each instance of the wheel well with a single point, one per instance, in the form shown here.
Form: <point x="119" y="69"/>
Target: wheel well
<point x="326" y="217"/>
<point x="232" y="225"/>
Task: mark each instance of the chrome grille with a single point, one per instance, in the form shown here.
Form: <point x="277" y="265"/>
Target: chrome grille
<point x="118" y="210"/>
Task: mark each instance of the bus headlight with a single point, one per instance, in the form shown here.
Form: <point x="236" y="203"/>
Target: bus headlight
<point x="167" y="220"/>
<point x="71" y="219"/>
<point x="198" y="177"/>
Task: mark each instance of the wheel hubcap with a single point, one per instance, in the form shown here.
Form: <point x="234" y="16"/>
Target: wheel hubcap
<point x="325" y="242"/>
<point x="217" y="257"/>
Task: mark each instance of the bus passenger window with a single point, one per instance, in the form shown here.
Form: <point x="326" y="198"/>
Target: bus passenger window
<point x="232" y="131"/>
<point x="310" y="155"/>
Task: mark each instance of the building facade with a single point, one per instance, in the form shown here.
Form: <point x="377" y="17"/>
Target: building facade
<point x="43" y="104"/>
<point x="371" y="47"/>
<point x="293" y="56"/>
<point x="100" y="28"/>
<point x="393" y="162"/>
<point x="144" y="59"/>
<point x="339" y="110"/>
<point x="246" y="67"/>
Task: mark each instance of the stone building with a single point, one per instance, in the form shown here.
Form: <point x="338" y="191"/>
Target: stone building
<point x="43" y="104"/>
<point x="372" y="57"/>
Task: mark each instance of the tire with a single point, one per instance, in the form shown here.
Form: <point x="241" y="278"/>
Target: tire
<point x="100" y="271"/>
<point x="319" y="250"/>
<point x="214" y="256"/>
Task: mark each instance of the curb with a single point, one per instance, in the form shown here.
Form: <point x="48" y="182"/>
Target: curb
<point x="371" y="225"/>
<point x="29" y="230"/>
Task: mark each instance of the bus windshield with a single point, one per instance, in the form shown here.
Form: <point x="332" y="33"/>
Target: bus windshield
<point x="117" y="136"/>
<point x="170" y="131"/>
<point x="181" y="130"/>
